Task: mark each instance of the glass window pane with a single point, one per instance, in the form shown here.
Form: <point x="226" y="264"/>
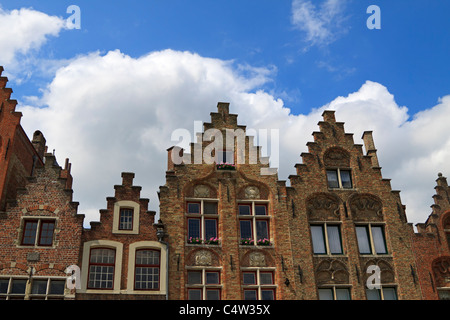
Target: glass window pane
<point x="246" y="229"/>
<point x="249" y="278"/>
<point x="346" y="179"/>
<point x="318" y="239"/>
<point x="126" y="219"/>
<point x="373" y="294"/>
<point x="378" y="240"/>
<point x="103" y="255"/>
<point x="39" y="287"/>
<point x="4" y="285"/>
<point x="244" y="210"/>
<point x="212" y="278"/>
<point x="262" y="230"/>
<point x="147" y="257"/>
<point x="266" y="278"/>
<point x="250" y="295"/>
<point x="363" y="240"/>
<point x="193" y="228"/>
<point x="57" y="286"/>
<point x="267" y="295"/>
<point x="18" y="286"/>
<point x="193" y="207"/>
<point x="210" y="207"/>
<point x="195" y="294"/>
<point x="46" y="236"/>
<point x="343" y="294"/>
<point x="334" y="239"/>
<point x="332" y="179"/>
<point x="29" y="232"/>
<point x="326" y="294"/>
<point x="389" y="294"/>
<point x="260" y="210"/>
<point x="194" y="277"/>
<point x="212" y="294"/>
<point x="210" y="229"/>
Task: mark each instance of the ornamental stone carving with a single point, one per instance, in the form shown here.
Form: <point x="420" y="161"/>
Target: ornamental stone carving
<point x="203" y="258"/>
<point x="201" y="191"/>
<point x="252" y="192"/>
<point x="365" y="207"/>
<point x="332" y="272"/>
<point x="441" y="270"/>
<point x="323" y="207"/>
<point x="257" y="259"/>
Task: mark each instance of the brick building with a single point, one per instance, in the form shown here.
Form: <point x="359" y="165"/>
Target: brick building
<point x="226" y="231"/>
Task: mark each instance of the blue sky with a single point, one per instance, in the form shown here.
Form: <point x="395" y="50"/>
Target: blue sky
<point x="277" y="62"/>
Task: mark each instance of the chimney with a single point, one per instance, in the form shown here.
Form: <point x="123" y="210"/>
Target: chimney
<point x="370" y="148"/>
<point x="127" y="178"/>
<point x="39" y="143"/>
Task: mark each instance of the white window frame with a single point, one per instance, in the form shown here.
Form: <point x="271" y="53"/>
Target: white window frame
<point x="370" y="238"/>
<point x="253" y="217"/>
<point x="203" y="286"/>
<point x="338" y="172"/>
<point x="325" y="226"/>
<point x="258" y="286"/>
<point x="202" y="216"/>
<point x="126" y="204"/>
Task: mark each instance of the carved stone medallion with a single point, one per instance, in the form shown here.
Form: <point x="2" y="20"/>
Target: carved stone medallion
<point x="252" y="192"/>
<point x="201" y="191"/>
<point x="257" y="259"/>
<point x="203" y="258"/>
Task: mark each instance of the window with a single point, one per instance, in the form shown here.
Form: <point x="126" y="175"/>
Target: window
<point x="224" y="156"/>
<point x="38" y="232"/>
<point x="101" y="268"/>
<point x="254" y="223"/>
<point x="203" y="284"/>
<point x="126" y="219"/>
<point x="147" y="270"/>
<point x="326" y="239"/>
<point x="258" y="284"/>
<point x="202" y="221"/>
<point x="385" y="293"/>
<point x="339" y="178"/>
<point x="36" y="289"/>
<point x="334" y="293"/>
<point x="13" y="289"/>
<point x="371" y="239"/>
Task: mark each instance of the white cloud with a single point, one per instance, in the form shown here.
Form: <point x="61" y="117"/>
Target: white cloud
<point x="322" y="24"/>
<point x="24" y="31"/>
<point x="112" y="113"/>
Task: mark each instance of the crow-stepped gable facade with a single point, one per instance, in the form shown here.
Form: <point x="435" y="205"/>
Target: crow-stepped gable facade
<point x="228" y="227"/>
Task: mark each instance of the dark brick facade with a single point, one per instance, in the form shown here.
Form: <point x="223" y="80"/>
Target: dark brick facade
<point x="326" y="230"/>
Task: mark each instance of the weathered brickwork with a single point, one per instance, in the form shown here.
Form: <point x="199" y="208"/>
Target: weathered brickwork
<point x="225" y="232"/>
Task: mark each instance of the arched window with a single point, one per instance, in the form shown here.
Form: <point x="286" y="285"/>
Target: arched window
<point x="101" y="268"/>
<point x="147" y="270"/>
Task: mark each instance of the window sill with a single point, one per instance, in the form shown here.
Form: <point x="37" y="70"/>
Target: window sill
<point x="219" y="245"/>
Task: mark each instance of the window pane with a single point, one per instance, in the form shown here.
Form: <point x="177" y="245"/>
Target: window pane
<point x="266" y="278"/>
<point x="267" y="295"/>
<point x="105" y="256"/>
<point x="373" y="294"/>
<point x="18" y="286"/>
<point x="146" y="278"/>
<point x="212" y="278"/>
<point x="249" y="278"/>
<point x="210" y="207"/>
<point x="246" y="229"/>
<point x="57" y="286"/>
<point x="334" y="239"/>
<point x="101" y="277"/>
<point x="147" y="257"/>
<point x="389" y="294"/>
<point x="4" y="285"/>
<point x="29" y="232"/>
<point x="194" y="277"/>
<point x="193" y="228"/>
<point x="126" y="219"/>
<point x="363" y="240"/>
<point x="343" y="294"/>
<point x="332" y="179"/>
<point x="346" y="179"/>
<point x="39" y="287"/>
<point x="326" y="294"/>
<point x="260" y="210"/>
<point x="244" y="210"/>
<point x="194" y="294"/>
<point x="212" y="294"/>
<point x="378" y="240"/>
<point x="193" y="207"/>
<point x="210" y="229"/>
<point x="318" y="239"/>
<point x="250" y="295"/>
<point x="262" y="230"/>
<point x="46" y="236"/>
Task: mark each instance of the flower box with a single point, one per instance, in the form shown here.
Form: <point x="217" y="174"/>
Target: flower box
<point x="194" y="240"/>
<point x="226" y="166"/>
<point x="212" y="241"/>
<point x="247" y="242"/>
<point x="263" y="242"/>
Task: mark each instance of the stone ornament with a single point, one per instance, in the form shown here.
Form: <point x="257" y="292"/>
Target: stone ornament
<point x="203" y="258"/>
<point x="252" y="192"/>
<point x="201" y="191"/>
<point x="257" y="259"/>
